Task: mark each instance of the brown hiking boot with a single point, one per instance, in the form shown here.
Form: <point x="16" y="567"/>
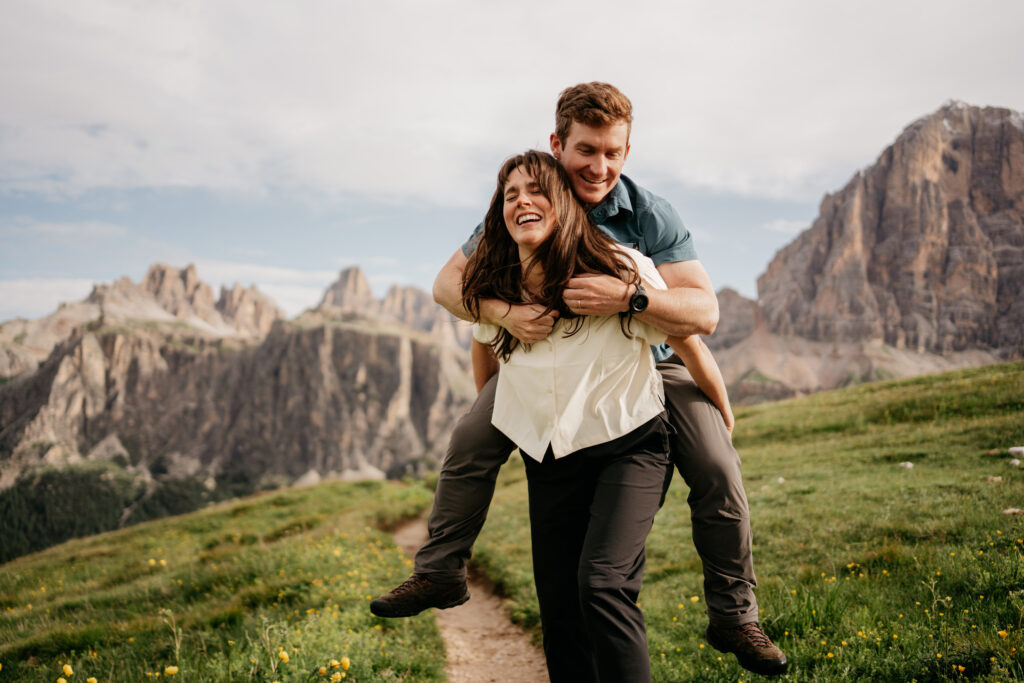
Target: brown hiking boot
<point x="754" y="650"/>
<point x="417" y="594"/>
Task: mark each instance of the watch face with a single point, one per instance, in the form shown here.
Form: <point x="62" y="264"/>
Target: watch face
<point x="638" y="304"/>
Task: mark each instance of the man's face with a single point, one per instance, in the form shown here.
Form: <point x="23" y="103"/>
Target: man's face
<point x="593" y="158"/>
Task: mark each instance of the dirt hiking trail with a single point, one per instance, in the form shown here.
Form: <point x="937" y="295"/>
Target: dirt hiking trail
<point x="482" y="644"/>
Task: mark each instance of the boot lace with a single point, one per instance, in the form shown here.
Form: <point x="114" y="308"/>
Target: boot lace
<point x="753" y="633"/>
<point x="413" y="583"/>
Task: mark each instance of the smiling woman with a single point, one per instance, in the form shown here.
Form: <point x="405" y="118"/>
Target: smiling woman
<point x="585" y="406"/>
<point x="528" y="213"/>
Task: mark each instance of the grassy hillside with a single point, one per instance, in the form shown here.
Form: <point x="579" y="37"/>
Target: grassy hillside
<point x="272" y="588"/>
<point x="868" y="570"/>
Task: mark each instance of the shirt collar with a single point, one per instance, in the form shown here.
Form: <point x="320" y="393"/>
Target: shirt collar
<point x="616" y="200"/>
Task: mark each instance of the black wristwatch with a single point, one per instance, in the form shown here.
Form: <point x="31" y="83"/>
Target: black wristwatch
<point x="638" y="302"/>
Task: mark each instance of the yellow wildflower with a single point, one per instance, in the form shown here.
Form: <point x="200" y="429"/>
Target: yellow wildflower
<point x="152" y="562"/>
<point x="345" y="663"/>
<point x="62" y="680"/>
<point x="336" y="677"/>
<point x="68" y="671"/>
<point x="334" y="663"/>
<point x="1003" y="634"/>
<point x="960" y="668"/>
<point x="163" y="563"/>
<point x="830" y="655"/>
<point x="322" y="671"/>
<point x="170" y="670"/>
<point x="694" y="599"/>
<point x="91" y="679"/>
<point x="283" y="656"/>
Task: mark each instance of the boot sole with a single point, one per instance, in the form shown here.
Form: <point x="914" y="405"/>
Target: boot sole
<point x="769" y="667"/>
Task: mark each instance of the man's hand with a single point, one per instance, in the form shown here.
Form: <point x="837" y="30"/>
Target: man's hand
<point x="526" y="322"/>
<point x="592" y="294"/>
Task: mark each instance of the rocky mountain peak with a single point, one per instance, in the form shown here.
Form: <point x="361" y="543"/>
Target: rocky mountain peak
<point x="351" y="292"/>
<point x="248" y="309"/>
<point x="923" y="250"/>
<point x="179" y="291"/>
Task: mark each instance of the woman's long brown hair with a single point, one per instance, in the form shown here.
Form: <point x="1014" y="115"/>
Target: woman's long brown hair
<point x="576" y="246"/>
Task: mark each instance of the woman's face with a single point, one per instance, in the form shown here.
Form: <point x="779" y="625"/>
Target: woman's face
<point x="529" y="216"/>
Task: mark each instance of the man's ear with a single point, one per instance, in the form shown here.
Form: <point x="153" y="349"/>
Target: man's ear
<point x="626" y="155"/>
<point x="556" y="146"/>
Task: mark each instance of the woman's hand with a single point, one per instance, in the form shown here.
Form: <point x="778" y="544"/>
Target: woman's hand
<point x="526" y="322"/>
<point x="591" y="294"/>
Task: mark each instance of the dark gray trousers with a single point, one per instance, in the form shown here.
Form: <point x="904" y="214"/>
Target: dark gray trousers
<point x="590" y="513"/>
<point x="701" y="449"/>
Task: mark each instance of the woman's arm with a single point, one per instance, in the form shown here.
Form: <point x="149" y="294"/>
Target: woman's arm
<point x="485" y="364"/>
<point x="705" y="372"/>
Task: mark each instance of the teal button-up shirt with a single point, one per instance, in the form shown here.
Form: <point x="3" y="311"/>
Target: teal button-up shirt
<point x="637" y="218"/>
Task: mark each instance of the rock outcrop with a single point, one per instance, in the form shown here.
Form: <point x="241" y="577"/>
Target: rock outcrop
<point x="167" y="296"/>
<point x="330" y="399"/>
<point x="350" y="295"/>
<point x="737" y="316"/>
<point x="924" y="250"/>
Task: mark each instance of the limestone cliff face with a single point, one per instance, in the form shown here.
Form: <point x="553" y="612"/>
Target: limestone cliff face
<point x="924" y="250"/>
<point x="332" y="400"/>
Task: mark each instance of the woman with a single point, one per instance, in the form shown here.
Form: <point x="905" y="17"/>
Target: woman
<point x="586" y="409"/>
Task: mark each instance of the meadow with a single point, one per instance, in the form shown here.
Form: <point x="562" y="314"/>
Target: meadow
<point x="270" y="588"/>
<point x="868" y="569"/>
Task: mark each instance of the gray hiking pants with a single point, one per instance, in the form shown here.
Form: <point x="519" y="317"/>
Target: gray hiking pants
<point x="701" y="450"/>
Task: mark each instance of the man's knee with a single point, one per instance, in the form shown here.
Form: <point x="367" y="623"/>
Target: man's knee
<point x="476" y="447"/>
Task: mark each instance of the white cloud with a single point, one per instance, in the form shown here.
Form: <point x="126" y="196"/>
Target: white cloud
<point x="33" y="298"/>
<point x="385" y="101"/>
<point x="77" y="230"/>
<point x="786" y="227"/>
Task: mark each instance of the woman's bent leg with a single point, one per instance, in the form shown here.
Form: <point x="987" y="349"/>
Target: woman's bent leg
<point x="630" y="488"/>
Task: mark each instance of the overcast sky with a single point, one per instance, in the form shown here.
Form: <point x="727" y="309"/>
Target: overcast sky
<point x="276" y="143"/>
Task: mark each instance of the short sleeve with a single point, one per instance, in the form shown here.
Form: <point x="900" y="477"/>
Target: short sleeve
<point x="469" y="246"/>
<point x="667" y="239"/>
<point x="485" y="333"/>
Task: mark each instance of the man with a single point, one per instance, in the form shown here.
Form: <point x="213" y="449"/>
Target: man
<point x="591" y="141"/>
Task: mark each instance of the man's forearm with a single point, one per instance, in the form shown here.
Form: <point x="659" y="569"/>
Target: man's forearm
<point x="681" y="311"/>
<point x="448" y="286"/>
<point x="448" y="294"/>
<point x="526" y="322"/>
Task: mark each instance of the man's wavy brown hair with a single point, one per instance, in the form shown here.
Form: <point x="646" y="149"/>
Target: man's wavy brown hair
<point x="576" y="246"/>
<point x="593" y="104"/>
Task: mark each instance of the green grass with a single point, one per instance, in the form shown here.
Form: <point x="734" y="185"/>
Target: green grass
<point x="867" y="571"/>
<point x="850" y="549"/>
<point x="222" y="592"/>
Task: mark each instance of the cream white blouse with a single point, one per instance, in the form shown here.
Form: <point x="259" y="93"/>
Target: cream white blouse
<point x="583" y="390"/>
